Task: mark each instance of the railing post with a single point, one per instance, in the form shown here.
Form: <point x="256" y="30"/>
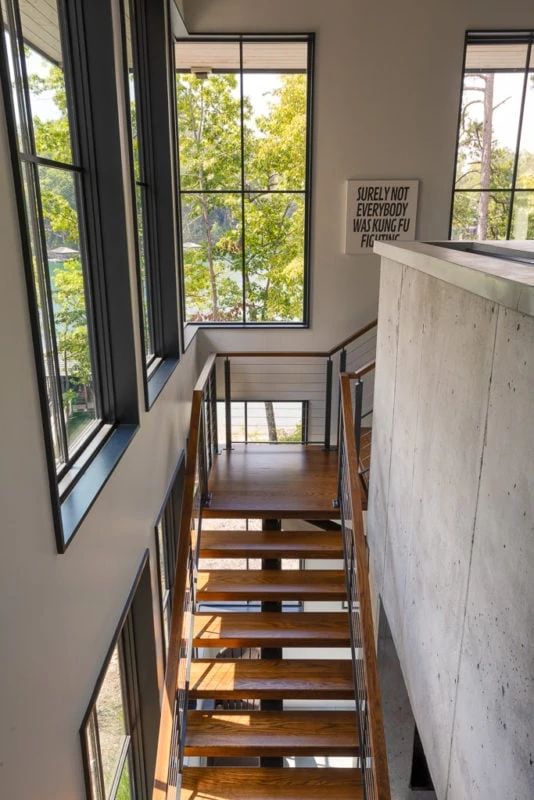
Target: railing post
<point x="358" y="403"/>
<point x="213" y="410"/>
<point x="228" y="402"/>
<point x="342" y="368"/>
<point x="328" y="404"/>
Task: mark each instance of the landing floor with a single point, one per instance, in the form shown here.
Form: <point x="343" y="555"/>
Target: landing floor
<point x="274" y="481"/>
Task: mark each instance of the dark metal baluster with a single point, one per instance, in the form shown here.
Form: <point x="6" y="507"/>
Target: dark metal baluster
<point x="228" y="403"/>
<point x="328" y="405"/>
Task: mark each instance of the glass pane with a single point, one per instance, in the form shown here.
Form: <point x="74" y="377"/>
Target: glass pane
<point x="275" y="127"/>
<point x="480" y="215"/>
<point x="212" y="257"/>
<point x="495" y="56"/>
<point x="46" y="81"/>
<point x="146" y="303"/>
<point x="69" y="296"/>
<point x="523" y="216"/>
<point x="525" y="166"/>
<point x="491" y="104"/>
<point x="124" y="789"/>
<point x="160" y="541"/>
<point x="209" y="131"/>
<point x="111" y="720"/>
<point x="274" y="248"/>
<point x="45" y="312"/>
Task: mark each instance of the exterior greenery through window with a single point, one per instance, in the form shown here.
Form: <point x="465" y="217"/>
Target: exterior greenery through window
<point x="243" y="130"/>
<point x="494" y="184"/>
<point x="54" y="184"/>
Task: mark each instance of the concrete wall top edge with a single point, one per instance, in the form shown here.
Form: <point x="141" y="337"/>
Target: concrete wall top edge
<point x="508" y="283"/>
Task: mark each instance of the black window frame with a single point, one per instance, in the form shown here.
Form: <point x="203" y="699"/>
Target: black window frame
<point x="168" y="520"/>
<point x="151" y="46"/>
<point x="134" y="638"/>
<point x="506" y="37"/>
<point x="86" y="31"/>
<point x="245" y="38"/>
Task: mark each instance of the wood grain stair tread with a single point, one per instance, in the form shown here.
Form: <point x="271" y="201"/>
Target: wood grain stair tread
<point x="254" y="783"/>
<point x="290" y="629"/>
<point x="271" y="544"/>
<point x="271" y="733"/>
<point x="261" y="679"/>
<point x="232" y="584"/>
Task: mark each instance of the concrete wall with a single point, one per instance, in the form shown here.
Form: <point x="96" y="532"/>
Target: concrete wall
<point x="387" y="85"/>
<point x="451" y="524"/>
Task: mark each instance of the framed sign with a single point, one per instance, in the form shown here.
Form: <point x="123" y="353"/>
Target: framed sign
<point x="385" y="210"/>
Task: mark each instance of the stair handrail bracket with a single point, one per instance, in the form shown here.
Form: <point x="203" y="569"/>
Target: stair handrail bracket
<point x="201" y="448"/>
<point x="368" y="702"/>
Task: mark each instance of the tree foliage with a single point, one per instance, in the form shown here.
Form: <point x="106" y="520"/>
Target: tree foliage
<point x="485" y="169"/>
<point x="244" y="244"/>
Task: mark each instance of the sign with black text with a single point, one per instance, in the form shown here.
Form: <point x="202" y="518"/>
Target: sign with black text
<point x="380" y="210"/>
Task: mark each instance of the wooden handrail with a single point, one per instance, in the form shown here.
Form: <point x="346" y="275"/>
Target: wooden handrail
<point x="376" y="723"/>
<point x="298" y="353"/>
<point x="352" y="376"/>
<point x="354" y="336"/>
<point x="180" y="585"/>
<point x="202" y="379"/>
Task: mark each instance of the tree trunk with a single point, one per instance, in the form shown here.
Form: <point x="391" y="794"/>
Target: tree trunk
<point x="485" y="157"/>
<point x="271" y="422"/>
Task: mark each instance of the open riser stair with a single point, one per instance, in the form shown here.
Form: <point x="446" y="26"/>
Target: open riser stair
<point x="268" y="730"/>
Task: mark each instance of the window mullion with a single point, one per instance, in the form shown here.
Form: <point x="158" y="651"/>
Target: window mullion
<point x="243" y="214"/>
<point x="518" y="143"/>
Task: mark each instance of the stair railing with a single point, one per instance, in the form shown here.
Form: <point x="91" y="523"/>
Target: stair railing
<point x="307" y="376"/>
<point x="375" y="776"/>
<point x="201" y="448"/>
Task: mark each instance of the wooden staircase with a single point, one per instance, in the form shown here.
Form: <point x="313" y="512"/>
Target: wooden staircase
<point x="270" y="732"/>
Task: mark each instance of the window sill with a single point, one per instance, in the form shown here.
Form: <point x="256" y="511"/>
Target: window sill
<point x="75" y="507"/>
<point x="158" y="379"/>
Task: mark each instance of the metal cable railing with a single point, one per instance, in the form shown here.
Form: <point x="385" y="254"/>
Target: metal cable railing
<point x="373" y="759"/>
<point x="201" y="448"/>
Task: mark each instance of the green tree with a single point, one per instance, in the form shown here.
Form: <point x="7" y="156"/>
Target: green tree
<point x="209" y="114"/>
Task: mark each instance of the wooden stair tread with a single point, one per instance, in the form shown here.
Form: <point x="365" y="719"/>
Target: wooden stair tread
<point x="290" y="629"/>
<point x="271" y="544"/>
<point x="261" y="679"/>
<point x="232" y="584"/>
<point x="276" y="733"/>
<point x="253" y="783"/>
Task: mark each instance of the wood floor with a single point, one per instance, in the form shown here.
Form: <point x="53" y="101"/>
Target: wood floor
<point x="275" y="481"/>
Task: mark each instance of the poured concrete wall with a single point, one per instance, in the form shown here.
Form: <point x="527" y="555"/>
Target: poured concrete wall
<point x="451" y="526"/>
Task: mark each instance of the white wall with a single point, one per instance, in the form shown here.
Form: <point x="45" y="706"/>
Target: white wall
<point x="386" y="106"/>
<point x="58" y="613"/>
<point x="450" y="526"/>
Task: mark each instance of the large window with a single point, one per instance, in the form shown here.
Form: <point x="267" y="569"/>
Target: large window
<point x="167" y="533"/>
<point x="63" y="126"/>
<point x="120" y="728"/>
<point x="53" y="180"/>
<point x="152" y="154"/>
<point x="494" y="184"/>
<point x="244" y="155"/>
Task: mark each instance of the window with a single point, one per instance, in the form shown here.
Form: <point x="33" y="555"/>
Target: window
<point x="120" y="728"/>
<point x="63" y="127"/>
<point x="53" y="180"/>
<point x="151" y="146"/>
<point x="167" y="532"/>
<point x="244" y="122"/>
<point x="494" y="185"/>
